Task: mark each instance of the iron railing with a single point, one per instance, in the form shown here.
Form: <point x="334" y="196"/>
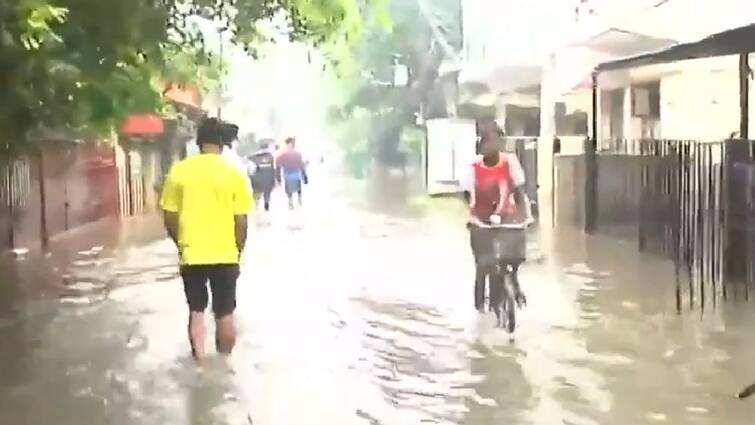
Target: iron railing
<point x="693" y="201"/>
<point x="60" y="187"/>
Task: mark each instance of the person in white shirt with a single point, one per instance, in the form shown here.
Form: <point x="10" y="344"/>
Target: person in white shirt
<point x="230" y="139"/>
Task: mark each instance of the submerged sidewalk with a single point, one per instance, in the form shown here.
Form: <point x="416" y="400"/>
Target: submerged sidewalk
<point x="60" y="269"/>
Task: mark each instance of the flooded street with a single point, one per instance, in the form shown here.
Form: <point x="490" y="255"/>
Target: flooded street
<point x="624" y="132"/>
<point x="353" y="317"/>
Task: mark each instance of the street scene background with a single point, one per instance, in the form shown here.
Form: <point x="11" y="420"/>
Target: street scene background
<point x="631" y="119"/>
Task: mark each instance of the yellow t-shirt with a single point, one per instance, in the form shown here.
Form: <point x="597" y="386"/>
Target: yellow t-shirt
<point x="207" y="192"/>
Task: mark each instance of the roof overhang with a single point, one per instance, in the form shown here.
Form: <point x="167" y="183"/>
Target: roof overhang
<point x="732" y="42"/>
<point x="616" y="42"/>
<point x="577" y="62"/>
<point x="500" y="78"/>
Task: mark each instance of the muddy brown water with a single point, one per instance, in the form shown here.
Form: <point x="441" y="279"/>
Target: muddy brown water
<point x="354" y="317"/>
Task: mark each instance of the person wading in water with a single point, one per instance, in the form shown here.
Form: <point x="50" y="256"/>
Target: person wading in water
<point x="205" y="202"/>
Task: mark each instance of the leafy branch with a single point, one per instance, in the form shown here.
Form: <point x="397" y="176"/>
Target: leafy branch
<point x="84" y="65"/>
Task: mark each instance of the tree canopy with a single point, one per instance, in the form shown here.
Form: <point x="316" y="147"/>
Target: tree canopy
<point x="419" y="34"/>
<point x="83" y="65"/>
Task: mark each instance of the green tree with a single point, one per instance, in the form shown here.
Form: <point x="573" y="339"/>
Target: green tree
<point x="417" y="33"/>
<point x="83" y="65"/>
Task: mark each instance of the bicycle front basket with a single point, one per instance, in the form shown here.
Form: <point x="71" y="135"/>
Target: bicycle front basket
<point x="512" y="244"/>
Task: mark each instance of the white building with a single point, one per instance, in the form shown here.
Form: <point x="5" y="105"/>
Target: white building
<point x="505" y="44"/>
<point x="686" y="100"/>
<point x="689" y="99"/>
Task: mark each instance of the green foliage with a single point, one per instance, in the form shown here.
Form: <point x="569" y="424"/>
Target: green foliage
<point x="36" y="28"/>
<point x="420" y="33"/>
<point x="81" y="66"/>
<point x="413" y="140"/>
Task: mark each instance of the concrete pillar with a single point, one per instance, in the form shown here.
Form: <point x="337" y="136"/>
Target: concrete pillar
<point x="549" y="95"/>
<point x="500" y="111"/>
<point x="591" y="169"/>
<point x="628" y="127"/>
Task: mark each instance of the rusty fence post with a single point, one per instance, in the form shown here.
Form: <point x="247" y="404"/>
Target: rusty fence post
<point x="8" y="181"/>
<point x="591" y="171"/>
<point x="44" y="234"/>
<point x="591" y="186"/>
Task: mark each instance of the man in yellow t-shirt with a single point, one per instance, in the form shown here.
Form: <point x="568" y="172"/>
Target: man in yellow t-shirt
<point x="205" y="202"/>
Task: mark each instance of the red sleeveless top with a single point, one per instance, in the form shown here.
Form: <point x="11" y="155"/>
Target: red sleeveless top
<point x="487" y="188"/>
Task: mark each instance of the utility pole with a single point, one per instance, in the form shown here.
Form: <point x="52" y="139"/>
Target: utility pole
<point x="221" y="88"/>
<point x="744" y="96"/>
<point x="591" y="166"/>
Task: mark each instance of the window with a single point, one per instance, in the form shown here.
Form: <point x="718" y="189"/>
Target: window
<point x="646" y="100"/>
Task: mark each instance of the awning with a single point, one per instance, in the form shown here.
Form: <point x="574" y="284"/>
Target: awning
<point x="618" y="42"/>
<point x="188" y="96"/>
<point x="500" y="78"/>
<point x="143" y="125"/>
<point x="732" y="42"/>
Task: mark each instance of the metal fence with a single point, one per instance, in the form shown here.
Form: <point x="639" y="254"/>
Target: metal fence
<point x="739" y="216"/>
<point x="680" y="210"/>
<point x="59" y="188"/>
<point x="568" y="189"/>
<point x="690" y="200"/>
<point x="18" y="195"/>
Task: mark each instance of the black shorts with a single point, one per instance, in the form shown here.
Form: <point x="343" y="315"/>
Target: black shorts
<point x="259" y="186"/>
<point x="222" y="278"/>
<point x="265" y="194"/>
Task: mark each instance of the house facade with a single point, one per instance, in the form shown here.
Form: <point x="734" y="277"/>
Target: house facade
<point x="694" y="99"/>
<point x="504" y="45"/>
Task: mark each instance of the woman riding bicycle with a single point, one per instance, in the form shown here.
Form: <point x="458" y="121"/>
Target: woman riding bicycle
<point x="497" y="196"/>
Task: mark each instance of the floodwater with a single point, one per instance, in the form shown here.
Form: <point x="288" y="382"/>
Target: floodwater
<point x="353" y="317"/>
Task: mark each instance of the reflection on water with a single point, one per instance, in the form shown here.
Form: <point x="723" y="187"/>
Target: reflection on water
<point x="356" y="318"/>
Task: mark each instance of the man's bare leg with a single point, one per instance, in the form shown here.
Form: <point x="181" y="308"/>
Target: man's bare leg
<point x="225" y="334"/>
<point x="197" y="334"/>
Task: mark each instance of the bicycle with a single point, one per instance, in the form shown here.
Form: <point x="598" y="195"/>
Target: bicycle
<point x="509" y="246"/>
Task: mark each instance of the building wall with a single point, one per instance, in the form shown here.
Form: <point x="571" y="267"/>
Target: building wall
<point x="682" y="20"/>
<point x="701" y="103"/>
<point x="493" y="30"/>
<point x="699" y="100"/>
<point x="61" y="187"/>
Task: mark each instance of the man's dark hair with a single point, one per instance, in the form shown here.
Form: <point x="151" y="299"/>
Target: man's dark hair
<point x="209" y="132"/>
<point x="290" y="141"/>
<point x="230" y="133"/>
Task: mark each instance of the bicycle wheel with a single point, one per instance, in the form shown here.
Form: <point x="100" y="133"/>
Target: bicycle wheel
<point x="509" y="306"/>
<point x="507" y="318"/>
<point x="497" y="291"/>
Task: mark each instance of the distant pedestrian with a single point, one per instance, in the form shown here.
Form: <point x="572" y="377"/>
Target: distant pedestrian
<point x="206" y="201"/>
<point x="262" y="174"/>
<point x="292" y="171"/>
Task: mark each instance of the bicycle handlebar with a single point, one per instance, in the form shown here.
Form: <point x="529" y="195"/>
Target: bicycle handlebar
<point x="508" y="226"/>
